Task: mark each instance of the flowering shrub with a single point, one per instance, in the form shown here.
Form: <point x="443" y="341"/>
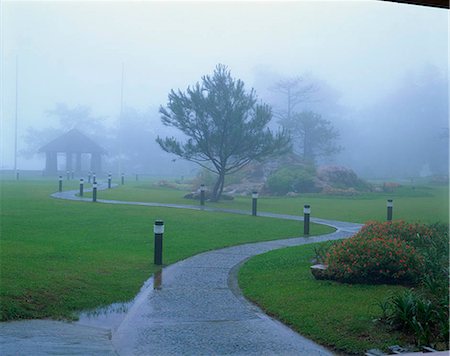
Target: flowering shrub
<point x="418" y="235"/>
<point x="380" y="253"/>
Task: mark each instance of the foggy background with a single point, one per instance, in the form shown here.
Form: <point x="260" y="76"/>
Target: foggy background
<point x="380" y="71"/>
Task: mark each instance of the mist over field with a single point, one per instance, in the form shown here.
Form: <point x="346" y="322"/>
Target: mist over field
<point x="377" y="71"/>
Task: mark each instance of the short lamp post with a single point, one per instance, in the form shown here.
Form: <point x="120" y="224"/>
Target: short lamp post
<point x="306" y="215"/>
<point x="94" y="191"/>
<point x="81" y="186"/>
<point x="122" y="180"/>
<point x="158" y="230"/>
<point x="109" y="181"/>
<point x="60" y="179"/>
<point x="254" y="202"/>
<point x="390" y="206"/>
<point x="89" y="177"/>
<point x="94" y="178"/>
<point x="202" y="194"/>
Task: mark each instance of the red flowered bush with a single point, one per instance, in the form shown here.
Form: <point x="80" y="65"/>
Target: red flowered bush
<point x="380" y="253"/>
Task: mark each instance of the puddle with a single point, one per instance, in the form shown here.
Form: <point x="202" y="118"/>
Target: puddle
<point x="111" y="316"/>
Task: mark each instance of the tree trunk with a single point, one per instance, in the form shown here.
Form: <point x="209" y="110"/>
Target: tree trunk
<point x="218" y="187"/>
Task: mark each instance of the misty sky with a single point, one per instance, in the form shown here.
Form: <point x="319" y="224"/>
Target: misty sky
<point x="72" y="52"/>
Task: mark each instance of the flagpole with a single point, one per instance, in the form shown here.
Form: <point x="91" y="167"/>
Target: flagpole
<point x="16" y="115"/>
<point x="120" y="121"/>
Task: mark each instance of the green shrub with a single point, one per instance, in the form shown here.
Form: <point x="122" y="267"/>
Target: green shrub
<point x="298" y="179"/>
<point x="374" y="260"/>
<point x="392" y="252"/>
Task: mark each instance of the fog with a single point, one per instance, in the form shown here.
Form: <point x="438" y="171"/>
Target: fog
<point x="381" y="70"/>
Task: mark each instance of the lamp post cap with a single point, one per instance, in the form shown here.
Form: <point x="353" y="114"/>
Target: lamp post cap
<point x="159" y="222"/>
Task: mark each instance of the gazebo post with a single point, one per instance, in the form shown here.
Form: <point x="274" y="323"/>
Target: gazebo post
<point x="78" y="162"/>
<point x="50" y="163"/>
<point x="68" y="161"/>
<point x="96" y="163"/>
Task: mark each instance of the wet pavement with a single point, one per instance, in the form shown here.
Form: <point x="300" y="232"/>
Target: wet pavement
<point x="197" y="309"/>
<point x="49" y="337"/>
<point x="193" y="307"/>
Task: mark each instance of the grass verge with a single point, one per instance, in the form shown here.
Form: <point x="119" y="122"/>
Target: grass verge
<point x="340" y="316"/>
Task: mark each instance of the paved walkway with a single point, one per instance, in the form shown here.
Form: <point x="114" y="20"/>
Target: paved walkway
<point x="193" y="307"/>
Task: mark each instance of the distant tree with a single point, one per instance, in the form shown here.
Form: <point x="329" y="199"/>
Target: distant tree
<point x="226" y="128"/>
<point x="312" y="136"/>
<point x="295" y="90"/>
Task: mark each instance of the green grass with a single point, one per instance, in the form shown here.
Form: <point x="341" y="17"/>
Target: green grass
<point x="58" y="257"/>
<point x="426" y="204"/>
<point x="340" y="316"/>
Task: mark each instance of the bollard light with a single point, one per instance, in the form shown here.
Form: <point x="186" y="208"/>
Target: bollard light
<point x="254" y="202"/>
<point x="94" y="191"/>
<point x="390" y="206"/>
<point x="306" y="216"/>
<point x="123" y="179"/>
<point x="202" y="194"/>
<point x="94" y="178"/>
<point x="73" y="174"/>
<point x="60" y="183"/>
<point x="81" y="186"/>
<point x="68" y="175"/>
<point x="109" y="181"/>
<point x="158" y="230"/>
<point x="89" y="177"/>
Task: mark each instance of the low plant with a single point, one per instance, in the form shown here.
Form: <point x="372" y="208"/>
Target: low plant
<point x="298" y="179"/>
<point x="392" y="252"/>
<point x="374" y="260"/>
<point x="423" y="318"/>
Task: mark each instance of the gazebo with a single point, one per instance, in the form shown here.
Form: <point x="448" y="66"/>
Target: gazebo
<point x="73" y="144"/>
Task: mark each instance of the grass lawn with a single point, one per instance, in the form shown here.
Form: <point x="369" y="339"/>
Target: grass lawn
<point x="58" y="257"/>
<point x="426" y="204"/>
<point x="336" y="315"/>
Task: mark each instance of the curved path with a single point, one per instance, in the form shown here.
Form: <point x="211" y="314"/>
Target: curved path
<point x="193" y="307"/>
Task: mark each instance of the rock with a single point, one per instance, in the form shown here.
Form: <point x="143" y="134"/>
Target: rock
<point x="319" y="271"/>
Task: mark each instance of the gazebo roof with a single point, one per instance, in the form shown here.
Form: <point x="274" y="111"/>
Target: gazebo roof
<point x="72" y="141"/>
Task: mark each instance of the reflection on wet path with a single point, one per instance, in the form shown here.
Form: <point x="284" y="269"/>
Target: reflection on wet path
<point x="111" y="316"/>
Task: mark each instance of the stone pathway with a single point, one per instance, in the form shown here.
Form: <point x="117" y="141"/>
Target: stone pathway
<point x="193" y="307"/>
